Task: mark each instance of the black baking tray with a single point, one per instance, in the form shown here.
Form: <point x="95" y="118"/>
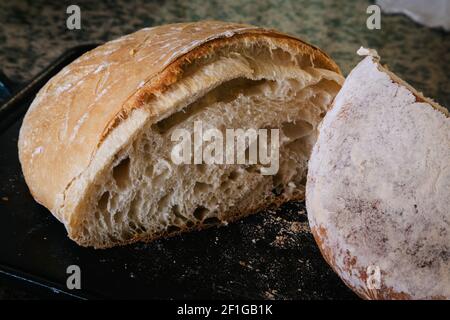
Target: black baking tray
<point x="270" y="255"/>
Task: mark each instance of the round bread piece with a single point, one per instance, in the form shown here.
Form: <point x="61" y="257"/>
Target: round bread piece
<point x="95" y="145"/>
<point x="378" y="188"/>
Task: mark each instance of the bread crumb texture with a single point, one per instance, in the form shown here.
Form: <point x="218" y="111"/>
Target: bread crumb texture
<point x="95" y="146"/>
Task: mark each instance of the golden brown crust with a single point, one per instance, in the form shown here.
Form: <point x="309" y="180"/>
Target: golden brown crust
<point x="77" y="109"/>
<point x="174" y="71"/>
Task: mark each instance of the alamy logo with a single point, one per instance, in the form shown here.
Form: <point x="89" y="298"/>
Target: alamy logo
<point x="374" y="20"/>
<point x="73" y="21"/>
<point x="238" y="146"/>
<point x="74" y="279"/>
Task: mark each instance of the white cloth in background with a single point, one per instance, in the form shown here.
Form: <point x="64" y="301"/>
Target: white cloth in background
<point x="431" y="13"/>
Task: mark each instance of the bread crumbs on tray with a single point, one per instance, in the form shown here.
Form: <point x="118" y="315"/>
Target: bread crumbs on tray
<point x="279" y="241"/>
<point x="299" y="227"/>
<point x="245" y="264"/>
<point x="270" y="294"/>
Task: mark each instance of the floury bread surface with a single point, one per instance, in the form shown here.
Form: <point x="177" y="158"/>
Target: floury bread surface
<point x="378" y="190"/>
<point x="95" y="144"/>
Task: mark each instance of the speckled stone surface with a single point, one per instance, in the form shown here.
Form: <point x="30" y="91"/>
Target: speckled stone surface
<point x="33" y="33"/>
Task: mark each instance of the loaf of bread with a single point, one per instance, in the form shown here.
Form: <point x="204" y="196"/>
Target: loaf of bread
<point x="95" y="145"/>
<point x="378" y="189"/>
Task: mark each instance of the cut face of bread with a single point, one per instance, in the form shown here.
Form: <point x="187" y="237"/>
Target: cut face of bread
<point x="378" y="190"/>
<point x="128" y="188"/>
<point x="143" y="191"/>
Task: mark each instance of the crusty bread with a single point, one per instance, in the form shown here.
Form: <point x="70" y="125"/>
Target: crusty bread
<point x="378" y="189"/>
<point x="95" y="143"/>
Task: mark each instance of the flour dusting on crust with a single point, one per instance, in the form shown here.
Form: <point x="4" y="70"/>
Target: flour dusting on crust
<point x="378" y="190"/>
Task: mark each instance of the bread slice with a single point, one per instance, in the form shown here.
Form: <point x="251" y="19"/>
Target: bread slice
<point x="378" y="190"/>
<point x="95" y="145"/>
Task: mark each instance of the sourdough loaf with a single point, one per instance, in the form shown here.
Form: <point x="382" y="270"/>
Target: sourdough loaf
<point x="95" y="143"/>
<point x="378" y="189"/>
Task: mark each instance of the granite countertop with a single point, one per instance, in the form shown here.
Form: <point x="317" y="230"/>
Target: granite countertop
<point x="33" y="33"/>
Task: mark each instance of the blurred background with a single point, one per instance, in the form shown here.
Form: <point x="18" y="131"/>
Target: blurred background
<point x="33" y="33"/>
